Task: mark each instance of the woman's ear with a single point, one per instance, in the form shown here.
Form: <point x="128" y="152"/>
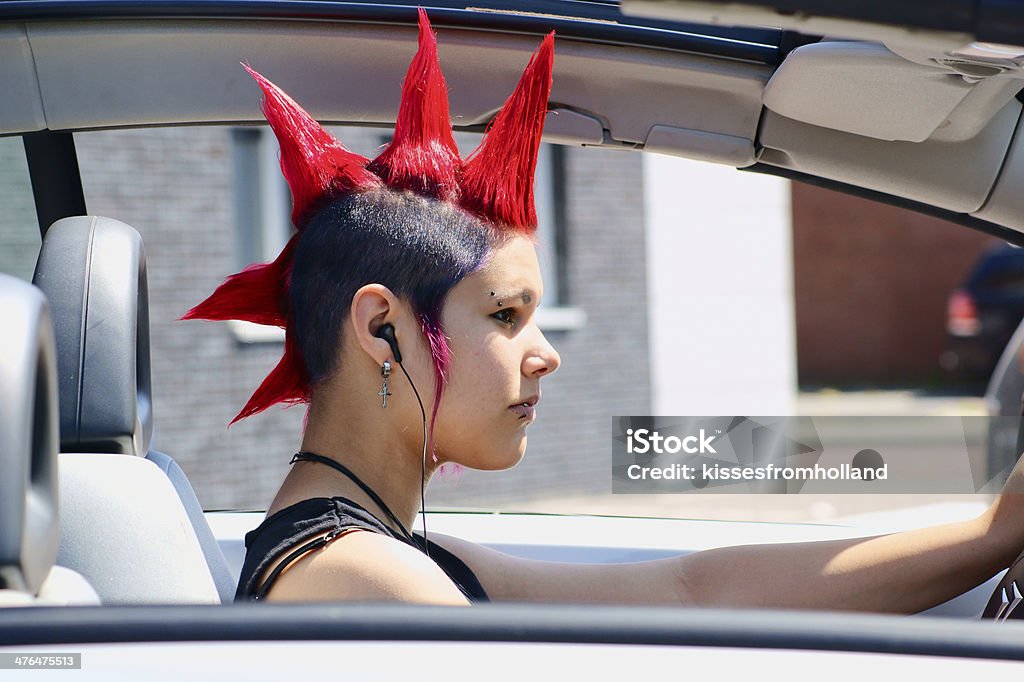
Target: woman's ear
<point x="373" y="306"/>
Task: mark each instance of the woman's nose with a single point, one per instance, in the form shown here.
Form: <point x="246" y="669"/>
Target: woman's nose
<point x="543" y="360"/>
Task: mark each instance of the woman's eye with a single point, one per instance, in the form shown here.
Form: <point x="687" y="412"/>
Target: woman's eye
<point x="506" y="316"/>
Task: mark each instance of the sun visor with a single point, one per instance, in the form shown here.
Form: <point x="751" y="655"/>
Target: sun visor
<point x="953" y="175"/>
<point x="864" y="89"/>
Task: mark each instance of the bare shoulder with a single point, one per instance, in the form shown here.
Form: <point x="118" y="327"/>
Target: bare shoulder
<point x="361" y="565"/>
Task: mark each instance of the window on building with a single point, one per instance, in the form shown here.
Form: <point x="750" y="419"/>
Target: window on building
<point x="549" y="225"/>
<point x="549" y="192"/>
<point x="262" y="204"/>
<point x="19" y="230"/>
<point x="263" y="216"/>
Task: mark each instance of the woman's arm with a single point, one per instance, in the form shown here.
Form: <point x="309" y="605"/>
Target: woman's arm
<point x="899" y="573"/>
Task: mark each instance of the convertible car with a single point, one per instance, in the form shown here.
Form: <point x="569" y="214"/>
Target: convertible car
<point x="111" y="565"/>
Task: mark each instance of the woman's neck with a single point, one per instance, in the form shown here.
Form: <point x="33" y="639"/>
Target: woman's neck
<point x="383" y="457"/>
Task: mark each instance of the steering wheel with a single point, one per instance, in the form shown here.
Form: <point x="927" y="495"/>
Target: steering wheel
<point x="1005" y="602"/>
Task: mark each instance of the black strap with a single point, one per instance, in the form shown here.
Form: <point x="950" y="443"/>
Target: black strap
<point x="321" y="541"/>
<point x="305" y="456"/>
<point x="330" y="537"/>
<point x="324" y="540"/>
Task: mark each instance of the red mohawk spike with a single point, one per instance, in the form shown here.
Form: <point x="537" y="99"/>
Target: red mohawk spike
<point x="497" y="178"/>
<point x="257" y="294"/>
<point x="316" y="166"/>
<point x="286" y="383"/>
<point x="422" y="156"/>
<point x="496" y="183"/>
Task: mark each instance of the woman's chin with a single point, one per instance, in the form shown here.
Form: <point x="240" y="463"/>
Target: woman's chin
<point x="496" y="454"/>
<point x="507" y="458"/>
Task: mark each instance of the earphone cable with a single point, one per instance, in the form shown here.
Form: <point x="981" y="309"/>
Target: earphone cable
<point x="423" y="460"/>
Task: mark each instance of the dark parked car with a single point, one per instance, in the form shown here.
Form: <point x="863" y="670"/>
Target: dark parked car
<point x="983" y="312"/>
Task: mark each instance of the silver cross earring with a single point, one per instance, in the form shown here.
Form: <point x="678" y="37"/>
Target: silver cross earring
<point x="385" y="371"/>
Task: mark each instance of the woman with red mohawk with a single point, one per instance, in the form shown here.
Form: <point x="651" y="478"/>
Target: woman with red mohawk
<point x="422" y="262"/>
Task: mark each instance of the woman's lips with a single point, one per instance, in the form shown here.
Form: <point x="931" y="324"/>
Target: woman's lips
<point x="525" y="411"/>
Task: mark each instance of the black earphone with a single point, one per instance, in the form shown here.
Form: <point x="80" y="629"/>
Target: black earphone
<point x="387" y="332"/>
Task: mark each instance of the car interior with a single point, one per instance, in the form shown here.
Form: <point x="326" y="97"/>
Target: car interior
<point x="118" y="508"/>
<point x="30" y="528"/>
<point x="108" y="520"/>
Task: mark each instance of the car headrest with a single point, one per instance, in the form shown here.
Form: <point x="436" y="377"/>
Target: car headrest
<point x="29" y="519"/>
<point x="93" y="271"/>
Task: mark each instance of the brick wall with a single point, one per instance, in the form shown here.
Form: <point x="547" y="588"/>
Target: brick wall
<point x="871" y="283"/>
<point x="175" y="186"/>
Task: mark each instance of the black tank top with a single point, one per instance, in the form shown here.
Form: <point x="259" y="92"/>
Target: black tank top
<point x="288" y="528"/>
